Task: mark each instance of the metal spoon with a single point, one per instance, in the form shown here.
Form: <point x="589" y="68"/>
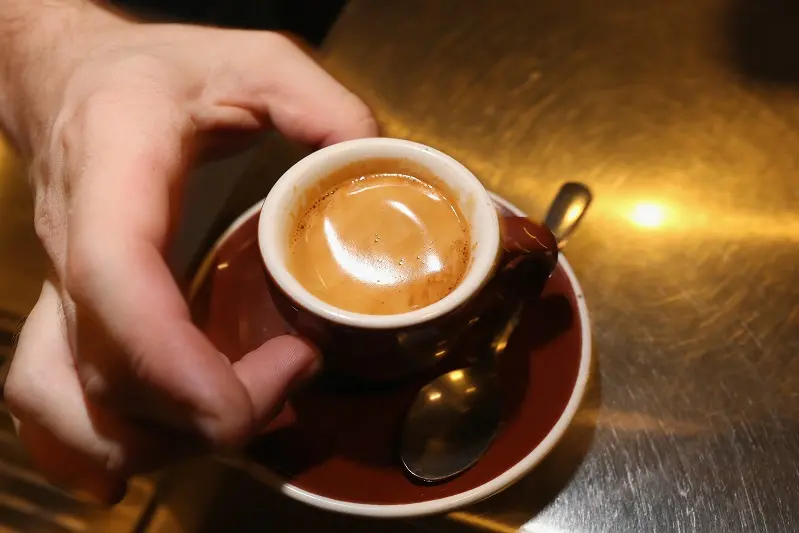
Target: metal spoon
<point x="455" y="418"/>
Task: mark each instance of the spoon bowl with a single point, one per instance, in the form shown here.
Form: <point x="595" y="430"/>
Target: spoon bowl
<point x="426" y="451"/>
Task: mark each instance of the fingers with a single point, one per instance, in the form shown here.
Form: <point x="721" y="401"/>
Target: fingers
<point x="109" y="358"/>
<point x="43" y="393"/>
<point x="42" y="374"/>
<point x="273" y="370"/>
<point x="67" y="467"/>
<point x="154" y="363"/>
<point x="117" y="338"/>
<point x="269" y="74"/>
<point x="118" y="226"/>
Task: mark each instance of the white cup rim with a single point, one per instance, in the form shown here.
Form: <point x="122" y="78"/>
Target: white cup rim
<point x="483" y="221"/>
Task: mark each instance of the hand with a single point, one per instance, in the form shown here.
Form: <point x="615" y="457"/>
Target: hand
<point x="110" y="377"/>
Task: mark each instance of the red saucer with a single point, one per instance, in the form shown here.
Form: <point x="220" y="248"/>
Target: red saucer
<point x="335" y="447"/>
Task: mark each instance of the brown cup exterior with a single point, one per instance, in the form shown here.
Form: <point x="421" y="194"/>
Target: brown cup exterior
<point x="528" y="256"/>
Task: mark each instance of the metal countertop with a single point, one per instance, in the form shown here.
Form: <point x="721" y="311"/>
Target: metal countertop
<point x="682" y="116"/>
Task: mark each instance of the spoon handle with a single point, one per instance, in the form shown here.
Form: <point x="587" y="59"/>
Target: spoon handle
<point x="566" y="210"/>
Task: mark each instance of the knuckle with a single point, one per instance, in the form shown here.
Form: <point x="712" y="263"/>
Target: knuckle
<point x="14" y="396"/>
<point x="47" y="222"/>
<point x="43" y="224"/>
<point x="107" y="381"/>
<point x="102" y="365"/>
<point x="95" y="386"/>
<point x="229" y="430"/>
<point x="278" y="41"/>
<point x="93" y="112"/>
<point x="82" y="265"/>
<point x="20" y="390"/>
<point x="363" y="119"/>
<point x="229" y="434"/>
<point x="277" y="50"/>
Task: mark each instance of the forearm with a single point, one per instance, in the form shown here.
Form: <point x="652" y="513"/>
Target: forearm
<point x="35" y="39"/>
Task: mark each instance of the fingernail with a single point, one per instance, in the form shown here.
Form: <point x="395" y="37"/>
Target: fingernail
<point x="314" y="367"/>
<point x="309" y="374"/>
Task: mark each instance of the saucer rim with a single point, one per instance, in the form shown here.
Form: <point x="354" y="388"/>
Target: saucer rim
<point x="448" y="503"/>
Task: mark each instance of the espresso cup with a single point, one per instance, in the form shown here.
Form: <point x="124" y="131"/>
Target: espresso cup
<point x="511" y="259"/>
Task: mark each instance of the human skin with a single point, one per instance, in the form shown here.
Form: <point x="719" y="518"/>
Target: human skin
<point x="110" y="377"/>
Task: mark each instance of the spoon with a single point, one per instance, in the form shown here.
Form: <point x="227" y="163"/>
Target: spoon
<point x="455" y="418"/>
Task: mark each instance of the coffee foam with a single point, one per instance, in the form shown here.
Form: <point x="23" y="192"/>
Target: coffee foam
<point x="379" y="242"/>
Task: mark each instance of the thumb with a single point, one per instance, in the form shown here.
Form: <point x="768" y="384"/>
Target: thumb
<point x="273" y="371"/>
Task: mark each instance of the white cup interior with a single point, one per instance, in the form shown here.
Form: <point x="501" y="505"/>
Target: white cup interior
<point x="277" y="217"/>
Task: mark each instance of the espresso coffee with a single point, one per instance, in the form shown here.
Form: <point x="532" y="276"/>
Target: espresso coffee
<point x="379" y="241"/>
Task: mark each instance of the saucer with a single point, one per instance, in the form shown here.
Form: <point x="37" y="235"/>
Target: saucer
<point x="334" y="447"/>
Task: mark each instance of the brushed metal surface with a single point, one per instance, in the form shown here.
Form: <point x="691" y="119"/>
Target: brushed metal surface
<point x="682" y="117"/>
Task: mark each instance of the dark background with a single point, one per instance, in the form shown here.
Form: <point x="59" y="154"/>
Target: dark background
<point x="310" y="19"/>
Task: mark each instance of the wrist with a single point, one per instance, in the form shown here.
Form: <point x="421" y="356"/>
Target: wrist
<point x="41" y="41"/>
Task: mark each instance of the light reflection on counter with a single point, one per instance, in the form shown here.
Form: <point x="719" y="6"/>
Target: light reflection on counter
<point x="702" y="221"/>
<point x="649" y="215"/>
<point x="531" y="527"/>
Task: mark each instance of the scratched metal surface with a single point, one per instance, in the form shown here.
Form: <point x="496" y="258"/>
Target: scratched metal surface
<point x="682" y="116"/>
